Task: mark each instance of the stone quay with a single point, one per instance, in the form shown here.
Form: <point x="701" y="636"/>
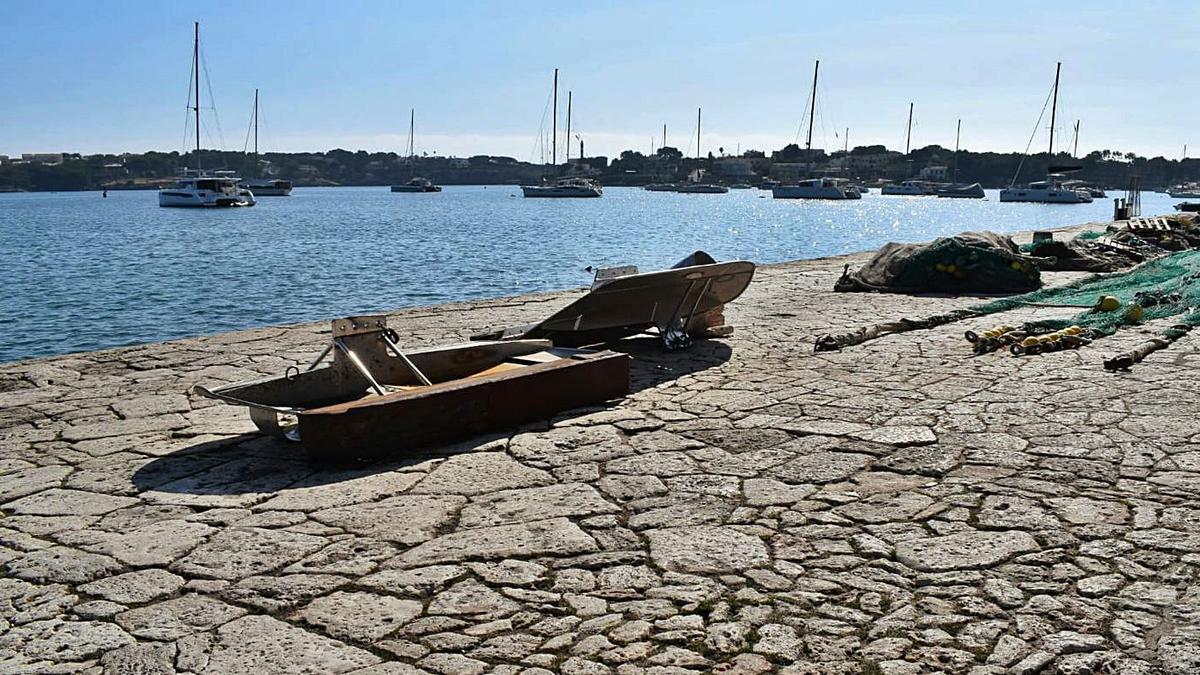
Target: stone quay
<point x="751" y="507"/>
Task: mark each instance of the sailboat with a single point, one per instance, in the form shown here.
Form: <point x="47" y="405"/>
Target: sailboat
<point x="956" y="189"/>
<point x="265" y="187"/>
<point x="196" y="188"/>
<point x="1051" y="190"/>
<point x="695" y="187"/>
<point x="570" y="186"/>
<point x="908" y="188"/>
<point x="815" y="188"/>
<point x="415" y="183"/>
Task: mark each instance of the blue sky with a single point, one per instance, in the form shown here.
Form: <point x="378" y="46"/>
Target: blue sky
<point x="112" y="76"/>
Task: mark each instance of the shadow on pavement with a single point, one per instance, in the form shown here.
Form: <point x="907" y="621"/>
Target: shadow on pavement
<point x="253" y="463"/>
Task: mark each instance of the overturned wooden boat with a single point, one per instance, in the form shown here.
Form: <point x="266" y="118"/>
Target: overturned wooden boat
<point x="374" y="399"/>
<point x="682" y="302"/>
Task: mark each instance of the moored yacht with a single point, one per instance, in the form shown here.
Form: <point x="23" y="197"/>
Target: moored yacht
<point x="265" y="187"/>
<point x="417" y="184"/>
<point x="1052" y="190"/>
<point x="701" y="189"/>
<point x="816" y="188"/>
<point x="1185" y="191"/>
<point x="908" y="188"/>
<point x="268" y="187"/>
<point x="220" y="188"/>
<point x="695" y="184"/>
<point x="1049" y="191"/>
<point x="197" y="188"/>
<point x="961" y="191"/>
<point x="565" y="187"/>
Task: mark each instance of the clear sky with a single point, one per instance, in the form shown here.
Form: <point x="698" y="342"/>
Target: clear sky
<point x="112" y="77"/>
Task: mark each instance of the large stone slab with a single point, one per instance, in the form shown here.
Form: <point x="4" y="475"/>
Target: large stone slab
<point x="471" y="597"/>
<point x="557" y="536"/>
<point x="407" y="519"/>
<point x="60" y="641"/>
<point x="331" y="490"/>
<point x="822" y="467"/>
<point x="60" y="502"/>
<point x="135" y="587"/>
<point x="178" y="617"/>
<point x="29" y="480"/>
<point x="244" y="551"/>
<point x="707" y="549"/>
<point x="237" y="483"/>
<point x="479" y="473"/>
<point x="965" y="550"/>
<point x="364" y="617"/>
<point x="254" y="645"/>
<point x="158" y="543"/>
<point x="541" y="503"/>
<point x="62" y="564"/>
<point x="277" y="593"/>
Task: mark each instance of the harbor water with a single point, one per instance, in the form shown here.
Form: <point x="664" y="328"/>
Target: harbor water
<point x="82" y="272"/>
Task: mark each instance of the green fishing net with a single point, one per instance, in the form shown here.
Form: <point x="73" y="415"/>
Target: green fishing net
<point x="1165" y="287"/>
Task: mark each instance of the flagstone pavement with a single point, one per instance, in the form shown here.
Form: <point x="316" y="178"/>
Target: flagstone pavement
<point x="897" y="507"/>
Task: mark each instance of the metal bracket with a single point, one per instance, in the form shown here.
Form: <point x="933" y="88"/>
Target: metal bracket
<point x="389" y="337"/>
<point x="362" y="368"/>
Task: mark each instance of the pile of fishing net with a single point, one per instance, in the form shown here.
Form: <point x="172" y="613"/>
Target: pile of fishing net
<point x="1163" y="288"/>
<point x="1091" y="253"/>
<point x="972" y="262"/>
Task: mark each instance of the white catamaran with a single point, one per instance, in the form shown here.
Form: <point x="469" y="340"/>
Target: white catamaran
<point x="566" y="187"/>
<point x="815" y="188"/>
<point x="197" y="188"/>
<point x="415" y="183"/>
<point x="1051" y="190"/>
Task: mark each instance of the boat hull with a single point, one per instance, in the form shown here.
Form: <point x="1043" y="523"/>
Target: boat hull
<point x="904" y="191"/>
<point x="702" y="189"/>
<point x="416" y="188"/>
<point x="807" y="192"/>
<point x="271" y="192"/>
<point x="471" y="388"/>
<point x="400" y="423"/>
<point x="1044" y="196"/>
<point x="538" y="191"/>
<point x="972" y="191"/>
<point x="175" y="199"/>
<point x="687" y="297"/>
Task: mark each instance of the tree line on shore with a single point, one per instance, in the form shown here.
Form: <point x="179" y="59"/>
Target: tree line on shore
<point x="667" y="164"/>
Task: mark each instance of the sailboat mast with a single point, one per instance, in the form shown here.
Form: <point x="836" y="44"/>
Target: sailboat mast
<point x="846" y="149"/>
<point x="256" y="122"/>
<point x="1054" y="108"/>
<point x="957" y="138"/>
<point x="908" y="132"/>
<point x="697" y="133"/>
<point x="665" y="136"/>
<point x="412" y="126"/>
<point x="812" y="108"/>
<point x="554" y="124"/>
<point x="568" y="143"/>
<point x="196" y="76"/>
<point x="1075" y="152"/>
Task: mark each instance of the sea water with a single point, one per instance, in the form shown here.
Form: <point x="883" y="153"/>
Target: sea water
<point x="82" y="272"/>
